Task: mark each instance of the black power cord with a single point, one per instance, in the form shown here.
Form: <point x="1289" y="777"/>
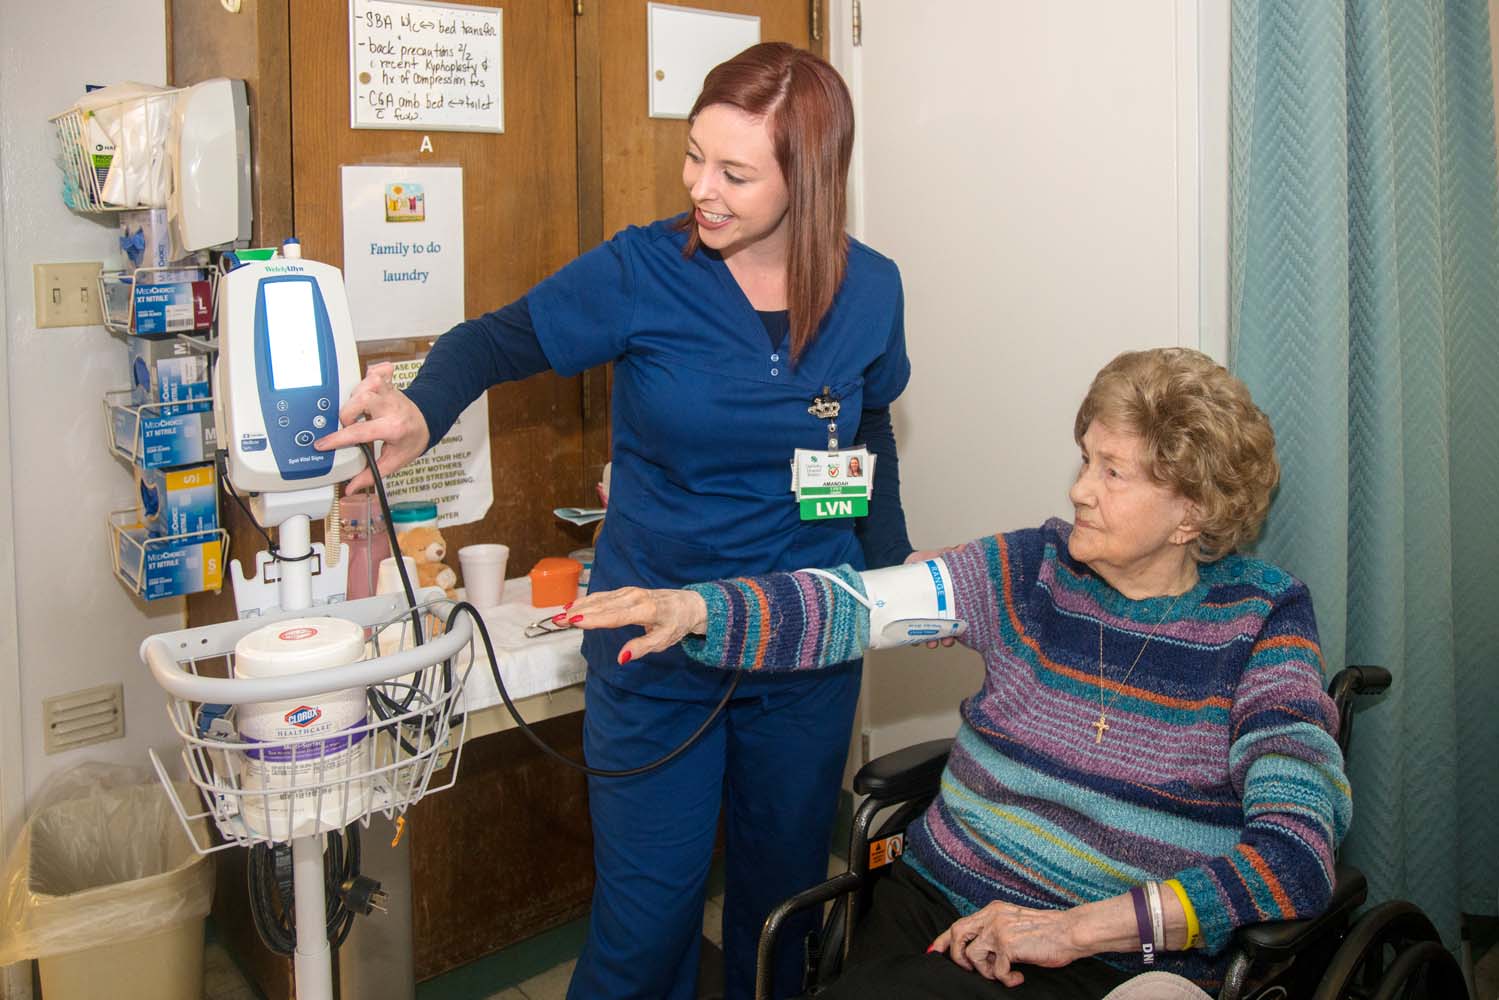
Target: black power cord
<point x="494" y="667"/>
<point x="268" y="875"/>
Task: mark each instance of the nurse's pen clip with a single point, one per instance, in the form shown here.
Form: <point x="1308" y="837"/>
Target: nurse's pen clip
<point x="826" y="407"/>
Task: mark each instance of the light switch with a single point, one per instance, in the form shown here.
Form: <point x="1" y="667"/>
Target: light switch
<point x="67" y="294"/>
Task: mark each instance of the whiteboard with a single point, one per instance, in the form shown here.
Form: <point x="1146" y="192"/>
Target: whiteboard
<point x="684" y="45"/>
<point x="426" y="66"/>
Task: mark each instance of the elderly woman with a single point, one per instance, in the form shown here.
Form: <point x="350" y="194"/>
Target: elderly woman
<point x="1151" y="760"/>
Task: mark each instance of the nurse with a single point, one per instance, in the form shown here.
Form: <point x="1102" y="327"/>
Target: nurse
<point x="741" y="332"/>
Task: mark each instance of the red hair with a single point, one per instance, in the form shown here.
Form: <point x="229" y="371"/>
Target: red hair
<point x="811" y="119"/>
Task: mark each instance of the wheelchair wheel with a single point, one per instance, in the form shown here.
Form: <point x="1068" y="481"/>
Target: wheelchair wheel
<point x="1424" y="970"/>
<point x="1369" y="955"/>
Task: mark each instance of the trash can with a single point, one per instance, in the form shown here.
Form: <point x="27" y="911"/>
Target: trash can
<point x="106" y="891"/>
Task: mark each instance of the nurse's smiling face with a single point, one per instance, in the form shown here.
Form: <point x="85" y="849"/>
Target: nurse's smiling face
<point x="738" y="192"/>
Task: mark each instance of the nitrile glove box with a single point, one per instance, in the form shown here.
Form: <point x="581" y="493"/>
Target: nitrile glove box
<point x="155" y="442"/>
<point x="145" y="237"/>
<point x="157" y="568"/>
<point x="173" y="308"/>
<point x="169" y="372"/>
<point x="178" y="501"/>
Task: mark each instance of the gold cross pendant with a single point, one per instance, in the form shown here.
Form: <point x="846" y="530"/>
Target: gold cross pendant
<point x="1100" y="725"/>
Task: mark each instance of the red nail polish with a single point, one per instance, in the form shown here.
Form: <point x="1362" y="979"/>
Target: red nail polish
<point x="624" y="657"/>
<point x="575" y="619"/>
<point x="557" y="617"/>
<point x="567" y="605"/>
<point x="931" y="949"/>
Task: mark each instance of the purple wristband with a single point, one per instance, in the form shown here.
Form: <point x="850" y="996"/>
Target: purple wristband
<point x="1142" y="924"/>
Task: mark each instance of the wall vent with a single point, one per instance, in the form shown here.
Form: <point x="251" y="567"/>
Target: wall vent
<point x="84" y="717"/>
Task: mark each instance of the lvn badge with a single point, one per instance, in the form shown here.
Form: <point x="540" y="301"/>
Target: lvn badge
<point x="831" y="484"/>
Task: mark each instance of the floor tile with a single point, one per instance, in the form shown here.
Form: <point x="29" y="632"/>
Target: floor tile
<point x="550" y="985"/>
<point x="713" y="921"/>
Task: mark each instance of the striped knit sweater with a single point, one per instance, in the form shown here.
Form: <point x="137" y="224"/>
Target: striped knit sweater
<point x="1219" y="766"/>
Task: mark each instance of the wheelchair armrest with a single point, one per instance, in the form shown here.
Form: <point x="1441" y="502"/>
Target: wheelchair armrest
<point x="831" y="889"/>
<point x="1345" y="686"/>
<point x="1352" y="680"/>
<point x="905" y="773"/>
<point x="1280" y="939"/>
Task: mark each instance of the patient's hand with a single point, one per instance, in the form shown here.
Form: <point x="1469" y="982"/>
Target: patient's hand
<point x="666" y="615"/>
<point x="991" y="941"/>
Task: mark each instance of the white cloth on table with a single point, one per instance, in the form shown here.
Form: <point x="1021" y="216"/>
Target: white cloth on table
<point x="529" y="666"/>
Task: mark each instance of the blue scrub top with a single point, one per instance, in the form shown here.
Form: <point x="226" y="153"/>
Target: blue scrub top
<point x="706" y="416"/>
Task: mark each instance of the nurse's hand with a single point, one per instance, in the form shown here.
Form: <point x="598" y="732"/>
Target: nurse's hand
<point x="388" y="416"/>
<point x="666" y="615"/>
<point x="922" y="555"/>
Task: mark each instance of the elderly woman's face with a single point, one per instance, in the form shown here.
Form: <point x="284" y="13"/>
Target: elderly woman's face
<point x="1124" y="521"/>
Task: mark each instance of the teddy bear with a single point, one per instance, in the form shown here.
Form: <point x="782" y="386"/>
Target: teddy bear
<point x="426" y="548"/>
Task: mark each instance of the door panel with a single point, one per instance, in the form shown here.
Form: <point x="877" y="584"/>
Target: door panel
<point x="642" y="156"/>
<point x="520" y="222"/>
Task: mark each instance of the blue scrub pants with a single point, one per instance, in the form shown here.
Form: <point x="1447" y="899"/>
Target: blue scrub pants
<point x="774" y="761"/>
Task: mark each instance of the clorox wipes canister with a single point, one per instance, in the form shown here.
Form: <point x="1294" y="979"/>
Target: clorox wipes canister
<point x="312" y="772"/>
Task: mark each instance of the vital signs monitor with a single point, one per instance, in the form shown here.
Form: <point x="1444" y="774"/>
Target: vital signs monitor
<point x="287" y="362"/>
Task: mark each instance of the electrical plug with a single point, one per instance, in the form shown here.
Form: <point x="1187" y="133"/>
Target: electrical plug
<point x="363" y="894"/>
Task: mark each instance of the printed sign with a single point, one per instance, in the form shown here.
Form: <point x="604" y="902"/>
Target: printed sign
<point x="403" y="250"/>
<point x="455" y="472"/>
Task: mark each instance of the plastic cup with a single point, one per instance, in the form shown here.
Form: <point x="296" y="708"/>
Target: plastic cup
<point x="484" y="573"/>
<point x="388" y="580"/>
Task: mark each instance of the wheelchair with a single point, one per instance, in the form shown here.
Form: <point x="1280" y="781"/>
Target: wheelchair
<point x="1390" y="952"/>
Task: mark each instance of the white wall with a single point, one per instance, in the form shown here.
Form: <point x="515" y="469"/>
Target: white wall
<point x="1034" y="170"/>
<point x="12" y="786"/>
<point x="76" y="625"/>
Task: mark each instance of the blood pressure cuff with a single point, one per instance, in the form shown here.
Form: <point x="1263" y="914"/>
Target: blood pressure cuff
<point x="816" y="618"/>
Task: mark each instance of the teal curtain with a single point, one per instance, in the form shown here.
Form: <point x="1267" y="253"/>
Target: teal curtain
<point x="1364" y="316"/>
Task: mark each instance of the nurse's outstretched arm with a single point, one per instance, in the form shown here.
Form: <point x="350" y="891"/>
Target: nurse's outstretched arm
<point x="497" y="347"/>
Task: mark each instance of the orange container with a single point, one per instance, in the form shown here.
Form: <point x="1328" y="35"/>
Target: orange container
<point x="554" y="581"/>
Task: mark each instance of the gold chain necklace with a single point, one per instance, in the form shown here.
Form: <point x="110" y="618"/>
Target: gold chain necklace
<point x="1102" y="725"/>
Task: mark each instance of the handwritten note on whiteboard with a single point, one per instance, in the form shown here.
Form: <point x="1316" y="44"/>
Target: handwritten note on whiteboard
<point x="420" y="65"/>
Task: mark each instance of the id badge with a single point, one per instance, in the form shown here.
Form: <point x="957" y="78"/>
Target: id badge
<point x="832" y="484"/>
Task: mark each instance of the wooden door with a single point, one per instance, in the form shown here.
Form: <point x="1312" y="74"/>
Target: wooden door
<point x="473" y="894"/>
<point x="507" y="852"/>
<point x="638" y="158"/>
<point x="520" y="193"/>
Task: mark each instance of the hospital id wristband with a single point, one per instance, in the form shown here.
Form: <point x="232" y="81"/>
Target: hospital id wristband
<point x="1157" y="916"/>
<point x="1142" y="924"/>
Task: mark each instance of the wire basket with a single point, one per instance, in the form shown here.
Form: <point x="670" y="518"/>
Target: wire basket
<point x="165" y="565"/>
<point x="86" y="150"/>
<point x="119" y="300"/>
<point x="256" y="791"/>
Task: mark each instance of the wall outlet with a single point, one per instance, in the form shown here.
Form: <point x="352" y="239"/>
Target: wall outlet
<point x="67" y="294"/>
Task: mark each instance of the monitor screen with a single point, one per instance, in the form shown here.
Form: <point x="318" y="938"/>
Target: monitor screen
<point x="291" y="322"/>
